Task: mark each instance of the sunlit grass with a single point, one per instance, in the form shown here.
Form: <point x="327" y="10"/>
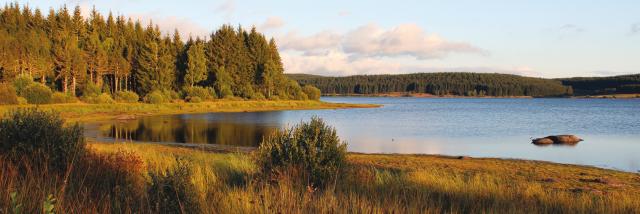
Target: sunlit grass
<point x="87" y="112"/>
<point x="227" y="183"/>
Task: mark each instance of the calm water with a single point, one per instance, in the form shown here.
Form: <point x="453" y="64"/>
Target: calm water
<point x="475" y="127"/>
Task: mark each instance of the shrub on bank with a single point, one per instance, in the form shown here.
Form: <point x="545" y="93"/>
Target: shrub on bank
<point x="172" y="191"/>
<point x="312" y="93"/>
<point x="312" y="147"/>
<point x="37" y="93"/>
<point x="21" y="83"/>
<point x="155" y="97"/>
<point x="91" y="90"/>
<point x="8" y="95"/>
<point x="40" y="137"/>
<point x="200" y="93"/>
<point x="59" y="97"/>
<point x="127" y="97"/>
<point x="103" y="98"/>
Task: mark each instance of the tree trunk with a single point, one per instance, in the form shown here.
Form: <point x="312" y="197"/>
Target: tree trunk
<point x="42" y="79"/>
<point x="73" y="86"/>
<point x="64" y="84"/>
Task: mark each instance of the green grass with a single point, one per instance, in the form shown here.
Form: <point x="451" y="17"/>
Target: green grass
<point x="227" y="183"/>
<point x="78" y="112"/>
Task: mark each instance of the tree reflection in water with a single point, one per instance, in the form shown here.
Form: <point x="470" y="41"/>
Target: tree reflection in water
<point x="238" y="129"/>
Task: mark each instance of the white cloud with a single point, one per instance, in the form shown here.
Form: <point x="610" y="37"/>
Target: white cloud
<point x="319" y="42"/>
<point x="228" y="8"/>
<point x="369" y="49"/>
<point x="272" y="23"/>
<point x="373" y="41"/>
<point x="168" y="24"/>
<point x="402" y="40"/>
<point x="635" y="28"/>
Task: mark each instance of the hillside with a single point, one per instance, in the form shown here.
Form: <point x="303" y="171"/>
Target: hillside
<point x="624" y="84"/>
<point x="461" y="84"/>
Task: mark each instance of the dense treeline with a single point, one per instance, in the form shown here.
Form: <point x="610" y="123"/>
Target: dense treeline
<point x="625" y="84"/>
<point x="80" y="56"/>
<point x="462" y="84"/>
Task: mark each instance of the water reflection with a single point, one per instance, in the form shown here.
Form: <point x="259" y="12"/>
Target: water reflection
<point x="239" y="129"/>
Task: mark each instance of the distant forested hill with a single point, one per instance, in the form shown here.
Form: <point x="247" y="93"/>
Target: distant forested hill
<point x="625" y="84"/>
<point x="463" y="84"/>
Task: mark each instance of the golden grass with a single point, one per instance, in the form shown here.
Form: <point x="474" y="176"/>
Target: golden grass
<point x="226" y="183"/>
<point x="78" y="112"/>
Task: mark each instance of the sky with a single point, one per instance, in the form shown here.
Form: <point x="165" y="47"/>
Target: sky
<point x="538" y="38"/>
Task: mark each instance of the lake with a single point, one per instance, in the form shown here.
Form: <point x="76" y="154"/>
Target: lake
<point x="477" y="127"/>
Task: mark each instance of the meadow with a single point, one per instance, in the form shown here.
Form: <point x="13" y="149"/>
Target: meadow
<point x="82" y="112"/>
<point x="371" y="183"/>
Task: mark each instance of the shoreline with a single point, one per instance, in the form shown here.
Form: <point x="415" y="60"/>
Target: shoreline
<point x="83" y="112"/>
<point x="217" y="148"/>
<point x="427" y="95"/>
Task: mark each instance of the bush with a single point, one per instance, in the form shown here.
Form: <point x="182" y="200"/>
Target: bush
<point x="37" y="94"/>
<point x="194" y="99"/>
<point x="59" y="97"/>
<point x="91" y="90"/>
<point x="21" y="83"/>
<point x="127" y="97"/>
<point x="198" y="92"/>
<point x="172" y="191"/>
<point x="8" y="95"/>
<point x="155" y="97"/>
<point x="104" y="98"/>
<point x="40" y="137"/>
<point x="22" y="101"/>
<point x="225" y="92"/>
<point x="312" y="93"/>
<point x="312" y="147"/>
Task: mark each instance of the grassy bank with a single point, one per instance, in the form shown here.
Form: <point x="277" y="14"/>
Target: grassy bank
<point x="402" y="183"/>
<point x="78" y="112"/>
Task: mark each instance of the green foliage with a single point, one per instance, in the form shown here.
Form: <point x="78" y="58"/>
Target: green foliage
<point x="59" y="97"/>
<point x="67" y="51"/>
<point x="21" y="83"/>
<point x="312" y="93"/>
<point x="155" y="97"/>
<point x="16" y="207"/>
<point x="196" y="65"/>
<point x="295" y="91"/>
<point x="127" y="97"/>
<point x="437" y="84"/>
<point x="313" y="147"/>
<point x="172" y="191"/>
<point x="91" y="90"/>
<point x="49" y="204"/>
<point x="37" y="94"/>
<point x="104" y="98"/>
<point x="40" y="137"/>
<point x="629" y="84"/>
<point x="8" y="94"/>
<point x="198" y="92"/>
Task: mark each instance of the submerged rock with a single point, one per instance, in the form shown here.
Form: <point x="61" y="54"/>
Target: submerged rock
<point x="542" y="141"/>
<point x="565" y="139"/>
<point x="557" y="139"/>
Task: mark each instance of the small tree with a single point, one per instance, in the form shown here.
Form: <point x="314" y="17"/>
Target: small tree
<point x="312" y="147"/>
<point x="196" y="65"/>
<point x="40" y="137"/>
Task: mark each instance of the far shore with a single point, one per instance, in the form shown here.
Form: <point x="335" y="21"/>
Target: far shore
<point x="83" y="112"/>
<point x="428" y="95"/>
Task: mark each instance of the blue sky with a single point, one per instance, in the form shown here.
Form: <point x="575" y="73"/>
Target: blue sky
<point x="534" y="38"/>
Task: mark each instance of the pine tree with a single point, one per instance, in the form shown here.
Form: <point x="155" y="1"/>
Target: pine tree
<point x="196" y="65"/>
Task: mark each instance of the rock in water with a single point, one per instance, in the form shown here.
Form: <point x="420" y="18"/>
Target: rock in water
<point x="557" y="139"/>
<point x="565" y="139"/>
<point x="542" y="141"/>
